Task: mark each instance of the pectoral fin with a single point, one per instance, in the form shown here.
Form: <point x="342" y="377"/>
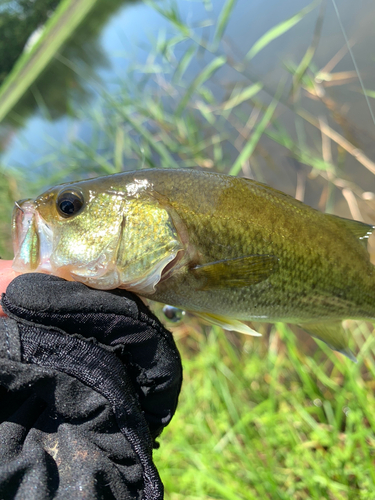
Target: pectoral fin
<point x="228" y="323"/>
<point x="333" y="334"/>
<point x="235" y="273"/>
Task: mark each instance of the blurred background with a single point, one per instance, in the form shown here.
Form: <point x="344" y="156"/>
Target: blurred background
<point x="281" y="92"/>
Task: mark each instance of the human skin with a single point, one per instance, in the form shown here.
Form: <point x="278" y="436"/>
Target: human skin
<point x="6" y="276"/>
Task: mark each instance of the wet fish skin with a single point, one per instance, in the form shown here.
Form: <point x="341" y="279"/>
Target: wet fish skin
<point x="213" y="244"/>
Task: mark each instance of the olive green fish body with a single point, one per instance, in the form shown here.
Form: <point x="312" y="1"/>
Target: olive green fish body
<point x="320" y="267"/>
<point x="226" y="248"/>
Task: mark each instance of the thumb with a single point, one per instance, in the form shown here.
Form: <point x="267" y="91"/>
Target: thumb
<point x="6" y="276"/>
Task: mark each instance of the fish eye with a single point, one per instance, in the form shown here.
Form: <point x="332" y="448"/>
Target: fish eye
<point x="69" y="203"/>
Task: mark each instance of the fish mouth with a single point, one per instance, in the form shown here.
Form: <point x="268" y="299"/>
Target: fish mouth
<point x="32" y="239"/>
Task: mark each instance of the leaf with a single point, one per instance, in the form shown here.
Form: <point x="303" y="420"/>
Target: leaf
<point x="279" y="30"/>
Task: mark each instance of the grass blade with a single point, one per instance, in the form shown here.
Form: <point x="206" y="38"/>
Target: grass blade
<point x="222" y="22"/>
<point x="172" y="14"/>
<point x="203" y="76"/>
<point x="67" y="16"/>
<point x="169" y="162"/>
<point x="240" y="97"/>
<point x="369" y="93"/>
<point x="251" y="144"/>
<point x="309" y="54"/>
<point x="279" y="30"/>
<point x="184" y="63"/>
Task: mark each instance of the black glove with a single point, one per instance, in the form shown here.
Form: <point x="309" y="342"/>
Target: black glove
<point x="88" y="380"/>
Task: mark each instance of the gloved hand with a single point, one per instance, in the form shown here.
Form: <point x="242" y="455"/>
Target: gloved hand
<point x="88" y="380"/>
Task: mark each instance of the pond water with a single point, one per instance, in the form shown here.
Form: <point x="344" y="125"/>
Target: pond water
<point x="119" y="36"/>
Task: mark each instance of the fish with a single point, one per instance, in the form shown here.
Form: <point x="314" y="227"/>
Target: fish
<point x="225" y="248"/>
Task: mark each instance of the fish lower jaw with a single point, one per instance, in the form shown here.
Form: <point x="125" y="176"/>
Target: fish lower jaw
<point x="21" y="266"/>
<point x="32" y="240"/>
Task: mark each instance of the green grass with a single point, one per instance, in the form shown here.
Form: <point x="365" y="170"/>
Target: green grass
<point x="262" y="419"/>
<point x="8" y="193"/>
<point x="272" y="418"/>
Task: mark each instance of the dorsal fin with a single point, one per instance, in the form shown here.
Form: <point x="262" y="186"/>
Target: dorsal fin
<point x="359" y="230"/>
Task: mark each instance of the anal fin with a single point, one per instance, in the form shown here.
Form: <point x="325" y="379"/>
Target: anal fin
<point x="333" y="334"/>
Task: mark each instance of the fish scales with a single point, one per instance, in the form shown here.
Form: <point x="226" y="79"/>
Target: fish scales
<point x="319" y="261"/>
<point x="220" y="246"/>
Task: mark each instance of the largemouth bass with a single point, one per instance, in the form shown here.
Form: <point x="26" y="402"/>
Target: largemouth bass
<point x="228" y="249"/>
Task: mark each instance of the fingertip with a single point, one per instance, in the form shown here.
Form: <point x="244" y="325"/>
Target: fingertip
<point x="6" y="276"/>
<point x="5" y="264"/>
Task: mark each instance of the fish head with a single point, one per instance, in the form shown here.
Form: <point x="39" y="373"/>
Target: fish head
<point x="98" y="233"/>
